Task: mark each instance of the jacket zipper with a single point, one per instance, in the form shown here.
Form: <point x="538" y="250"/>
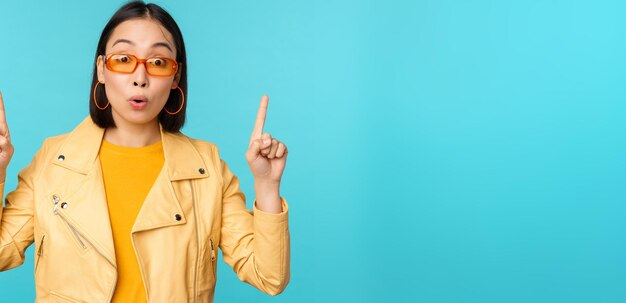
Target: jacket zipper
<point x="39" y="251"/>
<point x="74" y="231"/>
<point x="212" y="250"/>
<point x="78" y="236"/>
<point x="195" y="217"/>
<point x="213" y="258"/>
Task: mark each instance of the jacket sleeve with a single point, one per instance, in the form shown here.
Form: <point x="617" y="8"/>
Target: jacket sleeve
<point x="16" y="218"/>
<point x="254" y="243"/>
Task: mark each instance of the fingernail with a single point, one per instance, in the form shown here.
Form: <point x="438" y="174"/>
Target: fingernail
<point x="266" y="141"/>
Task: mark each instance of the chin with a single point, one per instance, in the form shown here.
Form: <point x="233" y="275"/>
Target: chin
<point x="136" y="117"/>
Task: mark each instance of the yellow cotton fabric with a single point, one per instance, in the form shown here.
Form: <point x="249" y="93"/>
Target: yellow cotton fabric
<point x="128" y="173"/>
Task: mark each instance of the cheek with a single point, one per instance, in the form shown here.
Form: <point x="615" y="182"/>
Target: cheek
<point x="161" y="89"/>
<point x="115" y="87"/>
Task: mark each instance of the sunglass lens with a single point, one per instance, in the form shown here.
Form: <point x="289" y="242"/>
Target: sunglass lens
<point x="160" y="66"/>
<point x="122" y="63"/>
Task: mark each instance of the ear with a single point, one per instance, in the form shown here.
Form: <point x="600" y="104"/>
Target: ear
<point x="177" y="76"/>
<point x="100" y="69"/>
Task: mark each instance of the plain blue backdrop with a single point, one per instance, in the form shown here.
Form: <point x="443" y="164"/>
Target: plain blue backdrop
<point x="440" y="151"/>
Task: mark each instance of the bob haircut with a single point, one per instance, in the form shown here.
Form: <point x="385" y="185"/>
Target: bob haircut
<point x="141" y="10"/>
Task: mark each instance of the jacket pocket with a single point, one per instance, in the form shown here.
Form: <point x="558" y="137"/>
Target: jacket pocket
<point x="207" y="267"/>
<point x="39" y="252"/>
<point x="74" y="233"/>
<point x="213" y="254"/>
<point x="59" y="298"/>
<point x="77" y="236"/>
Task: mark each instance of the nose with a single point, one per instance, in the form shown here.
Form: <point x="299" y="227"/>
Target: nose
<point x="140" y="76"/>
<point x="142" y="84"/>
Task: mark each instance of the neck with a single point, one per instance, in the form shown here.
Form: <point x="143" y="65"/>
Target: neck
<point x="133" y="135"/>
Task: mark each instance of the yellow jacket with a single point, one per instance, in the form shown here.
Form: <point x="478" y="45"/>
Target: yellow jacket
<point x="194" y="206"/>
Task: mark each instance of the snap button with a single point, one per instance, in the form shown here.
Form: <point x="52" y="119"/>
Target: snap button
<point x="61" y="158"/>
<point x="64" y="205"/>
<point x="202" y="171"/>
<point x="178" y="217"/>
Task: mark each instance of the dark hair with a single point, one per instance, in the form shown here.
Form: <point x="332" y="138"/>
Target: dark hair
<point x="138" y="10"/>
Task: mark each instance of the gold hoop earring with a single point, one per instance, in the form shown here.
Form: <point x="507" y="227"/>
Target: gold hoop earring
<point x="182" y="102"/>
<point x="96" y="100"/>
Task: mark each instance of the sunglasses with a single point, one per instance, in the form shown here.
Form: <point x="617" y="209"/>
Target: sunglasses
<point x="127" y="64"/>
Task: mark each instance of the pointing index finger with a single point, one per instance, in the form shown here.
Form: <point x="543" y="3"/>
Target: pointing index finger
<point x="4" y="129"/>
<point x="260" y="119"/>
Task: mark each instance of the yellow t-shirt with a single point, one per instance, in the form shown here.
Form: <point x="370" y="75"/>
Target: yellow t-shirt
<point x="128" y="173"/>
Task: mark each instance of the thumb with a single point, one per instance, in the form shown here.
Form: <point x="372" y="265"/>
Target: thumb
<point x="254" y="150"/>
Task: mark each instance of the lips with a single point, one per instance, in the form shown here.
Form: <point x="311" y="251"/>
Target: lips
<point x="138" y="101"/>
<point x="138" y="98"/>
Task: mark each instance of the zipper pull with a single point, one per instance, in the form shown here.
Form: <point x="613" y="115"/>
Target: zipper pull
<point x="212" y="250"/>
<point x="55" y="199"/>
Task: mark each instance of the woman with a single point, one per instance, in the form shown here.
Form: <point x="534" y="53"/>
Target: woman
<point x="125" y="208"/>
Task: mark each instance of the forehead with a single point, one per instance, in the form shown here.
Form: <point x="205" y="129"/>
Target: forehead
<point x="141" y="36"/>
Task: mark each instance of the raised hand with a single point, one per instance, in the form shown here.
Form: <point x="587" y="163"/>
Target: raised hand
<point x="6" y="148"/>
<point x="266" y="156"/>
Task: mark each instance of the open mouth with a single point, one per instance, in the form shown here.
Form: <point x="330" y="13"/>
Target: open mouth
<point x="138" y="99"/>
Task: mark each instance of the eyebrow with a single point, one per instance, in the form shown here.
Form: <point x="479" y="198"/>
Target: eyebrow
<point x="158" y="44"/>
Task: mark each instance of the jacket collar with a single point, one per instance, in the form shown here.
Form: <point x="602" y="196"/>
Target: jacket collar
<point x="81" y="148"/>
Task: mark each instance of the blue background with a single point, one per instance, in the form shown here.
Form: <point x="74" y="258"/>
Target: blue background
<point x="440" y="151"/>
